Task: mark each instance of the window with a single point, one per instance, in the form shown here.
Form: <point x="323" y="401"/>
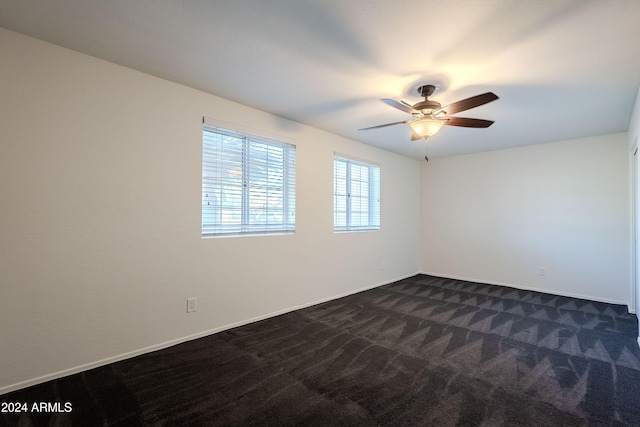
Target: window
<point x="356" y="195"/>
<point x="248" y="184"/>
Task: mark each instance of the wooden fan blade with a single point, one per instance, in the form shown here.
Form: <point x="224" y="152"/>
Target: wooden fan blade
<point x="467" y="122"/>
<point x="385" y="125"/>
<point x="469" y="103"/>
<point x="402" y="106"/>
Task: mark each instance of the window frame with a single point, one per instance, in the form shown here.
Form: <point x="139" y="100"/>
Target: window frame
<point x="231" y="170"/>
<point x="344" y="219"/>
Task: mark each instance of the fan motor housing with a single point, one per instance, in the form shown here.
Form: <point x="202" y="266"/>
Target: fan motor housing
<point x="427" y="105"/>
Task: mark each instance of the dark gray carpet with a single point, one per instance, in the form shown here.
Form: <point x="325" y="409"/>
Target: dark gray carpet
<point x="423" y="351"/>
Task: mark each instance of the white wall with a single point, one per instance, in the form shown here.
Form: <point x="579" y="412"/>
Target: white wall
<point x="100" y="179"/>
<point x="497" y="217"/>
<point x="634" y="142"/>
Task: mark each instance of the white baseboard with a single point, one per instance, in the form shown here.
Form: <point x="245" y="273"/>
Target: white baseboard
<point x="166" y="344"/>
<point x="528" y="288"/>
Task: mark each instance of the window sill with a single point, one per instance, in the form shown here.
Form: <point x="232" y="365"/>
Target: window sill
<point x="256" y="234"/>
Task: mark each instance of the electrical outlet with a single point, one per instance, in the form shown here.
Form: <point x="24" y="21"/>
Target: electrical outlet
<point x="382" y="265"/>
<point x="542" y="271"/>
<point x="191" y="305"/>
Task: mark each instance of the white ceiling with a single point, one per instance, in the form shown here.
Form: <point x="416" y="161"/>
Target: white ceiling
<point x="563" y="69"/>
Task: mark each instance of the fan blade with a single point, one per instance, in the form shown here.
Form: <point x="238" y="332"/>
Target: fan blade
<point x="402" y="106"/>
<point x="467" y="122"/>
<point x="469" y="103"/>
<point x="406" y="104"/>
<point x="385" y="125"/>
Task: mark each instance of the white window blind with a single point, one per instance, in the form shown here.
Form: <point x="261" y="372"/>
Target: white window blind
<point x="248" y="184"/>
<point x="356" y="195"/>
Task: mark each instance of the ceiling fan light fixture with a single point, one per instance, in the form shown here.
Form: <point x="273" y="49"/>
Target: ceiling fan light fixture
<point x="426" y="126"/>
<point x="428" y="117"/>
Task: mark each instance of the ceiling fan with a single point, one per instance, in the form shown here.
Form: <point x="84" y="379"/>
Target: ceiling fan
<point x="429" y="116"/>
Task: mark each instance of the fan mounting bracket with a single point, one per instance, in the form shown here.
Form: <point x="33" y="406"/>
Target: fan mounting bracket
<point x="426" y="90"/>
